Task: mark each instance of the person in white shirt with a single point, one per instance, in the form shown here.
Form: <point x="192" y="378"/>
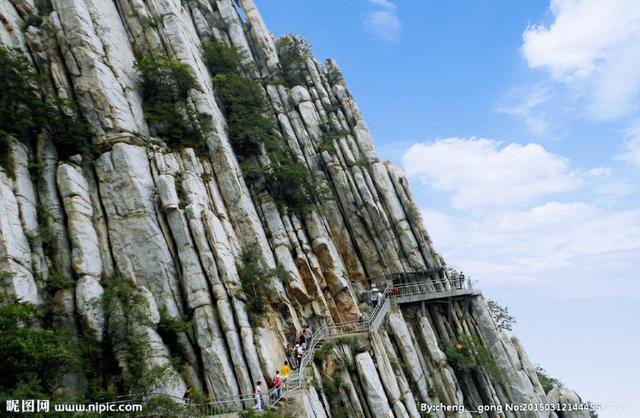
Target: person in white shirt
<point x="257" y="395"/>
<point x="299" y="352"/>
<point x="379" y="297"/>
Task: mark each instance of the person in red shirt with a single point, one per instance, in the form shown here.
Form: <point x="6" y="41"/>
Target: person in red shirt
<point x="303" y="340"/>
<point x="277" y="384"/>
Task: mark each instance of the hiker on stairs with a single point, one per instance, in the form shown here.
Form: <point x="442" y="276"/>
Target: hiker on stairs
<point x="257" y="395"/>
<point x="285" y="370"/>
<point x="379" y="297"/>
<point x="302" y="340"/>
<point x="299" y="350"/>
<point x="290" y="355"/>
<point x="307" y="334"/>
<point x="277" y="384"/>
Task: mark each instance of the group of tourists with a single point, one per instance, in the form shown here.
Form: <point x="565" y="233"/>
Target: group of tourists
<point x="292" y="362"/>
<point x="294" y="355"/>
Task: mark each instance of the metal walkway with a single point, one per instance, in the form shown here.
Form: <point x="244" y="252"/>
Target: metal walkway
<point x="405" y="289"/>
<point x="430" y="290"/>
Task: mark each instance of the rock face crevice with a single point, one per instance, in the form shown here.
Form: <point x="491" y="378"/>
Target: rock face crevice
<point x="175" y="222"/>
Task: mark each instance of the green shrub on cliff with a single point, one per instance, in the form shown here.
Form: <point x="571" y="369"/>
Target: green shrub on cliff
<point x="468" y="353"/>
<point x="166" y="83"/>
<point x="293" y="52"/>
<point x="169" y="328"/>
<point x="254" y="281"/>
<point x="289" y="182"/>
<point x="21" y="110"/>
<point x="245" y="108"/>
<point x="323" y="352"/>
<point x="251" y="126"/>
<point x="163" y="406"/>
<point x="124" y="311"/>
<point x="251" y="132"/>
<point x="23" y="113"/>
<point x="269" y="413"/>
<point x="546" y="380"/>
<point x="504" y="320"/>
<point x="221" y="58"/>
<point x="33" y="360"/>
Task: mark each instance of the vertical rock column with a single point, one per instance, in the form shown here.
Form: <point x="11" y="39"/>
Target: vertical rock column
<point x="15" y="254"/>
<point x="85" y="251"/>
<point x="217" y="363"/>
<point x="139" y="248"/>
<point x="374" y="391"/>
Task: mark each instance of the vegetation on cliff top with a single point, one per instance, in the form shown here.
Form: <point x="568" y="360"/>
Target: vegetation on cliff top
<point x="547" y="381"/>
<point x="293" y="52"/>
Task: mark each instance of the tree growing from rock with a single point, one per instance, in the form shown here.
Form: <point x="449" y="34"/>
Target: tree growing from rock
<point x="501" y="315"/>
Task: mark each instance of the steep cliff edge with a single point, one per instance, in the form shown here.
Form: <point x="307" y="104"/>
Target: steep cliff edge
<point x="178" y="242"/>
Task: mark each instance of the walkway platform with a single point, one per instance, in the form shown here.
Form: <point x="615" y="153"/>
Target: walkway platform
<point x="430" y="291"/>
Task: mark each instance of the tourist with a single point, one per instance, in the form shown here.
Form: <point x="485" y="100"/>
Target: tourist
<point x="299" y="352"/>
<point x="302" y="340"/>
<point x="290" y="356"/>
<point x="284" y="372"/>
<point x="374" y="295"/>
<point x="257" y="395"/>
<point x="379" y="297"/>
<point x="277" y="384"/>
<point x="307" y="333"/>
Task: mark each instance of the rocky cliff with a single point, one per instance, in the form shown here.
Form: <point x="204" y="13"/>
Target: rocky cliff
<point x="157" y="249"/>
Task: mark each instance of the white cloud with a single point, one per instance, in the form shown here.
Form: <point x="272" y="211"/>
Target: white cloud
<point x="616" y="188"/>
<point x="583" y="36"/>
<point x="506" y="230"/>
<point x="593" y="46"/>
<point x="526" y="103"/>
<point x="383" y="22"/>
<point x="528" y="245"/>
<point x="632" y="147"/>
<point x="600" y="172"/>
<point x="609" y="184"/>
<point x="486" y="173"/>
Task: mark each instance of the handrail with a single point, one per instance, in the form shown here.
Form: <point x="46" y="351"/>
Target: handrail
<point x="430" y="287"/>
<point x="380" y="303"/>
<point x="308" y="356"/>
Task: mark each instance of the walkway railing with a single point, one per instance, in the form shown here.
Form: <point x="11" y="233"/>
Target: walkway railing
<point x="429" y="286"/>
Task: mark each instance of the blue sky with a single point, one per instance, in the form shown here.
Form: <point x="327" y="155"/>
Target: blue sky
<point x="518" y="124"/>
